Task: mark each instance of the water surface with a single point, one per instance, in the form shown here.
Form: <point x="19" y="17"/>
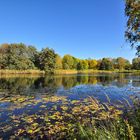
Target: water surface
<point x="22" y="96"/>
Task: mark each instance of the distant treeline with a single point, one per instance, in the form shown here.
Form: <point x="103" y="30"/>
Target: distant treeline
<point x="23" y="57"/>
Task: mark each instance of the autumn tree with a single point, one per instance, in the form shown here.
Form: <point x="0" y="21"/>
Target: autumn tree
<point x="67" y="62"/>
<point x="120" y="62"/>
<point x="92" y="63"/>
<point x="82" y="65"/>
<point x="58" y="62"/>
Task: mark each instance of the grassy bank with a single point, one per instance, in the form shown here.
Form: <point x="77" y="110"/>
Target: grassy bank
<point x="81" y="71"/>
<point x="2" y="72"/>
<point x="21" y="72"/>
<point x="94" y="71"/>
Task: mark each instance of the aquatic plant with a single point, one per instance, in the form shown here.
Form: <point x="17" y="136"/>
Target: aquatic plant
<point x="58" y="117"/>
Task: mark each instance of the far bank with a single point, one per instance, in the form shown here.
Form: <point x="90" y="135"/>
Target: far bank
<point x="39" y="72"/>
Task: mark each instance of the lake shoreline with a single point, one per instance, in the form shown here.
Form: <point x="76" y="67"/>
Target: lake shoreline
<point x="65" y="72"/>
<point x="94" y="71"/>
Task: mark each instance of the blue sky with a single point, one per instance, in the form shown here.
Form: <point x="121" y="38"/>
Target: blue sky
<point x="82" y="28"/>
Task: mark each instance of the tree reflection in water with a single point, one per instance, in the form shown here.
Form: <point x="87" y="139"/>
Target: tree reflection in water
<point x="50" y="84"/>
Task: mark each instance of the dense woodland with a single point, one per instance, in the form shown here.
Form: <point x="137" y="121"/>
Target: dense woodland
<point x="23" y="57"/>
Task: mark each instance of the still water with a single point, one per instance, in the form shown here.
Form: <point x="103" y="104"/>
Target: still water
<point x="115" y="86"/>
<point x="23" y="96"/>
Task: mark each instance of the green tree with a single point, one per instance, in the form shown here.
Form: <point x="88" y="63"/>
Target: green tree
<point x="128" y="66"/>
<point x="67" y="62"/>
<point x="75" y="62"/>
<point x="121" y="62"/>
<point x="132" y="11"/>
<point x="15" y="56"/>
<point x="136" y="63"/>
<point x="4" y="56"/>
<point x="58" y="62"/>
<point x="47" y="59"/>
<point x="32" y="53"/>
<point x="92" y="63"/>
<point x="82" y="65"/>
<point x="99" y="63"/>
<point x="106" y="64"/>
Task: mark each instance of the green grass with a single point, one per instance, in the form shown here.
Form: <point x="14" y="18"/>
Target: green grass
<point x="115" y="130"/>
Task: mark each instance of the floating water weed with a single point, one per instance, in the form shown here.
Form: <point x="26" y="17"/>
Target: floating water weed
<point x="63" y="118"/>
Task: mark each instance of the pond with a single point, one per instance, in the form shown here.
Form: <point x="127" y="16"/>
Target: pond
<point x="30" y="103"/>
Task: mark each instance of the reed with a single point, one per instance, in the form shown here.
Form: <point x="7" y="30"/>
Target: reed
<point x="62" y="71"/>
<point x="89" y="71"/>
<point x="21" y="72"/>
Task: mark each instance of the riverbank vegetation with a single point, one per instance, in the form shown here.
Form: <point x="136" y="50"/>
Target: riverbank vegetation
<point x="6" y="71"/>
<point x="20" y="58"/>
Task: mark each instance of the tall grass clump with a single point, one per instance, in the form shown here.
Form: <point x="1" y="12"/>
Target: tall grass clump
<point x="21" y="72"/>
